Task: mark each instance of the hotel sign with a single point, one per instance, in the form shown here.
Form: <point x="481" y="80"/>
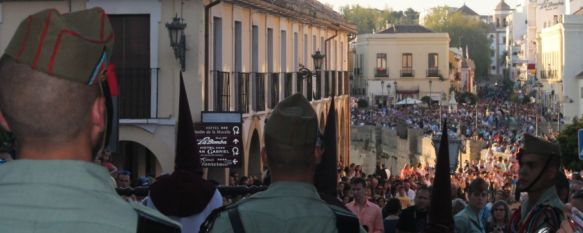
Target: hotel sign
<point x="219" y="144"/>
<point x="550" y="4"/>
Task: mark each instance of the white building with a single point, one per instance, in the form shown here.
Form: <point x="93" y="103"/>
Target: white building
<point x="562" y="70"/>
<point x="498" y="38"/>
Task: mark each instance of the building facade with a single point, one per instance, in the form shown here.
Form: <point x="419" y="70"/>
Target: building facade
<point x="244" y="58"/>
<point x="403" y="61"/>
<point x="562" y="75"/>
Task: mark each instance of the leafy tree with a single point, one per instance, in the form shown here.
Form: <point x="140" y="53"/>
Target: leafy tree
<point x="368" y="20"/>
<point x="468" y="98"/>
<point x="426" y="99"/>
<point x="569" y="145"/>
<point x="362" y="103"/>
<point x="463" y="31"/>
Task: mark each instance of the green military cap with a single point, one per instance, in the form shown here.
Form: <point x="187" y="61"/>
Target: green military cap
<point x="538" y="146"/>
<point x="74" y="46"/>
<point x="293" y="122"/>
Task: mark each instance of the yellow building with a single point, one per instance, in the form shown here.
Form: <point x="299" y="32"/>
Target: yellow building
<point x="403" y="61"/>
<point x="244" y="58"/>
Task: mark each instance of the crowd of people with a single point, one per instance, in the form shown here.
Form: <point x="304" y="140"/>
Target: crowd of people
<point x="493" y="119"/>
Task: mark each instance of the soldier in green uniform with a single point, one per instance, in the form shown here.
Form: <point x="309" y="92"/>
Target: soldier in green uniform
<point x="539" y="168"/>
<point x="291" y="203"/>
<point x="54" y="94"/>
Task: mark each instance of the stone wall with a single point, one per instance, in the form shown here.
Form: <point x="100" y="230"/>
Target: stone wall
<point x="370" y="144"/>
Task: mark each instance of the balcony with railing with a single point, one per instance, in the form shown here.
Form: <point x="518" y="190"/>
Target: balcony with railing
<point x="326" y="84"/>
<point x="381" y="72"/>
<point x="242" y="95"/>
<point x="274" y="89"/>
<point x="138" y="93"/>
<point x="222" y="91"/>
<point x="548" y="74"/>
<point x="433" y="72"/>
<point x="407" y="72"/>
<point x="259" y="91"/>
<point x="287" y="84"/>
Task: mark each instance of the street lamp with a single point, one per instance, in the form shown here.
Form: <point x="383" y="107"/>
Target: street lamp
<point x="430" y="98"/>
<point x="388" y="93"/>
<point x="177" y="39"/>
<point x="307" y="74"/>
<point x="454" y="148"/>
<point x="382" y="90"/>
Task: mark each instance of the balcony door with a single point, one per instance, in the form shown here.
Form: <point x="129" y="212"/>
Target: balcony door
<point x="131" y="56"/>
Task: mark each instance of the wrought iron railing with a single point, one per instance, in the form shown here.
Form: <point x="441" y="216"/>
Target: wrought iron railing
<point x="274" y="90"/>
<point x="407" y="72"/>
<point x="259" y="91"/>
<point x="433" y="72"/>
<point x="222" y="91"/>
<point x="135" y="95"/>
<point x="288" y="84"/>
<point x="242" y="87"/>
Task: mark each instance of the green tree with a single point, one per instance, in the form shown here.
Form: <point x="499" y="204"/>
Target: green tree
<point x="569" y="145"/>
<point x="368" y="20"/>
<point x="463" y="31"/>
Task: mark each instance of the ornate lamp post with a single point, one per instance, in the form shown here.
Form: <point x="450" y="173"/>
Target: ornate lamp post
<point x="307" y="74"/>
<point x="454" y="148"/>
<point x="177" y="39"/>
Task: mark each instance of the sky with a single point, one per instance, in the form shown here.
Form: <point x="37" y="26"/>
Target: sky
<point x="482" y="7"/>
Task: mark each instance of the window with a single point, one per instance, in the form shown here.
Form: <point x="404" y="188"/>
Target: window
<point x="432" y="60"/>
<point x="242" y="88"/>
<point x="283" y="54"/>
<point x="259" y="92"/>
<point x="242" y="79"/>
<point x="257" y="79"/>
<point x="381" y="65"/>
<point x="333" y="86"/>
<point x="326" y="84"/>
<point x="132" y="57"/>
<point x="407" y="60"/>
<point x="238" y="47"/>
<point x="407" y="65"/>
<point x="432" y="65"/>
<point x="274" y="89"/>
<point x="288" y="80"/>
<point x="581" y="92"/>
<point x="299" y="84"/>
<point x="222" y="91"/>
<point x="221" y="79"/>
<point x="269" y="50"/>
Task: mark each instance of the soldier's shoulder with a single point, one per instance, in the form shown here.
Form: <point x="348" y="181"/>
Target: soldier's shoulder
<point x="150" y="220"/>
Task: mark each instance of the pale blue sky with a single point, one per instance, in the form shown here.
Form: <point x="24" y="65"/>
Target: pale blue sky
<point x="482" y="7"/>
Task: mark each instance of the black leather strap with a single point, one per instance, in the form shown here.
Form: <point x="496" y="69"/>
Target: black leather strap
<point x="236" y="222"/>
<point x="150" y="224"/>
<point x="347" y="224"/>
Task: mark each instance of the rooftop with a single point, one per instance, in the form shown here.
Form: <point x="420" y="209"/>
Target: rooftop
<point x="413" y="28"/>
<point x="502" y="6"/>
<point x="465" y="10"/>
